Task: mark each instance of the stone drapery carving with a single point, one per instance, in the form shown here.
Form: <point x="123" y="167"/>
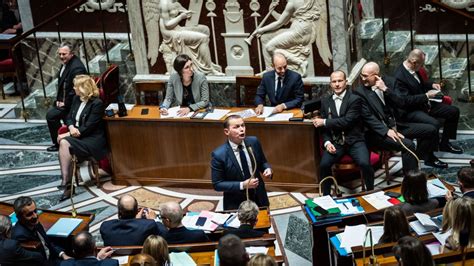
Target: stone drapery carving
<point x="460" y="4"/>
<point x="164" y="16"/>
<point x="308" y="25"/>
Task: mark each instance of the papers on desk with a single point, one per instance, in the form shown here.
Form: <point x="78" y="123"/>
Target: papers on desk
<point x="279" y="117"/>
<point x="354" y="236"/>
<point x="441" y="237"/>
<point x="424" y="225"/>
<point x="213" y="220"/>
<point x="181" y="259"/>
<point x="256" y="250"/>
<point x="173" y="113"/>
<point x="245" y="113"/>
<point x="267" y="111"/>
<point x="325" y="202"/>
<point x="217" y="114"/>
<point x="378" y="200"/>
<point x="122" y="260"/>
<point x="434" y="248"/>
<point x="233" y="221"/>
<point x="114" y="106"/>
<point x="347" y="208"/>
<point x="436" y="188"/>
<point x="64" y="227"/>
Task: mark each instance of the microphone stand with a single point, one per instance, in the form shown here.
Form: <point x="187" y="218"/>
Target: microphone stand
<point x="73" y="180"/>
<point x="254" y="169"/>
<point x="372" y="257"/>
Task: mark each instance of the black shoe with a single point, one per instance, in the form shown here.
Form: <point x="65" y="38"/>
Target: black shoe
<point x="436" y="163"/>
<point x="53" y="148"/>
<point x="450" y="148"/>
<point x="66" y="195"/>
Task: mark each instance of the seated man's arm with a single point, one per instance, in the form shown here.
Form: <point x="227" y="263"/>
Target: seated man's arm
<point x="405" y="91"/>
<point x="298" y="92"/>
<point x="351" y="117"/>
<point x="372" y="121"/>
<point x="219" y="176"/>
<point x="261" y="93"/>
<point x="24" y="255"/>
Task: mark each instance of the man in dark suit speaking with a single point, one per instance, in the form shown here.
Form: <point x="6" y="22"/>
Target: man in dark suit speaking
<point x="232" y="165"/>
<point x="283" y="87"/>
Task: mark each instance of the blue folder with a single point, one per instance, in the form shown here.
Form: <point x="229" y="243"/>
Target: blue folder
<point x="64" y="227"/>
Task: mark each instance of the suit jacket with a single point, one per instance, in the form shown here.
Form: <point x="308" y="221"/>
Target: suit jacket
<point x="182" y="235"/>
<point x="12" y="254"/>
<point x="412" y="90"/>
<point x="129" y="232"/>
<point x="347" y="123"/>
<point x="244" y="231"/>
<point x="89" y="261"/>
<point x="199" y="87"/>
<point x="291" y="94"/>
<point x="65" y="83"/>
<point x="91" y="125"/>
<point x="227" y="174"/>
<point x="22" y="234"/>
<point x="377" y="116"/>
<point x="469" y="194"/>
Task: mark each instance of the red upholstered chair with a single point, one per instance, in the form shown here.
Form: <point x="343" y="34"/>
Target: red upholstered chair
<point x="109" y="83"/>
<point x="7" y="69"/>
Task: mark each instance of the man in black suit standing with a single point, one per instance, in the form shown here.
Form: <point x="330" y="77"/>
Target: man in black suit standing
<point x="28" y="228"/>
<point x="283" y="87"/>
<point x="232" y="164"/>
<point x="84" y="249"/>
<point x="343" y="131"/>
<point x="420" y="103"/>
<point x="11" y="252"/>
<point x="172" y="215"/>
<point x="132" y="227"/>
<point x="248" y="218"/>
<point x="382" y="115"/>
<point x="70" y="68"/>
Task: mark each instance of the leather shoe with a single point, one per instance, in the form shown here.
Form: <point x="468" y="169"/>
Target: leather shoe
<point x="436" y="163"/>
<point x="66" y="195"/>
<point x="53" y="148"/>
<point x="451" y="148"/>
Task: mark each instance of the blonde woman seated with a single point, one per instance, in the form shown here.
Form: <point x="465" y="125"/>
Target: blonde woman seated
<point x="261" y="260"/>
<point x="395" y="225"/>
<point x="143" y="260"/>
<point x="461" y="219"/>
<point x="86" y="136"/>
<point x="157" y="247"/>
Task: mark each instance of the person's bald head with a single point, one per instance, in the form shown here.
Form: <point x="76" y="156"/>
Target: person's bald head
<point x="83" y="245"/>
<point x="369" y="73"/>
<point x="127" y="207"/>
<point x="415" y="59"/>
<point x="279" y="64"/>
<point x="171" y="214"/>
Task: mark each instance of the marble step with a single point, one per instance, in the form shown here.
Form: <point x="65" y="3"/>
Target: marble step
<point x="465" y="87"/>
<point x="397" y="46"/>
<point x="370" y="34"/>
<point x="454" y="72"/>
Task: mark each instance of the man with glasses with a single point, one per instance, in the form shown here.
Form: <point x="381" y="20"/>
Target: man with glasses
<point x="70" y="68"/>
<point x="423" y="103"/>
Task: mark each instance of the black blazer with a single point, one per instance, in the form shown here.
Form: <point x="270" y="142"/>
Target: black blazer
<point x="412" y="90"/>
<point x="291" y="94"/>
<point x="129" y="232"/>
<point x="89" y="261"/>
<point x="348" y="121"/>
<point x="22" y="234"/>
<point x="65" y="83"/>
<point x="12" y="254"/>
<point x="227" y="174"/>
<point x="91" y="125"/>
<point x="183" y="235"/>
<point x="244" y="231"/>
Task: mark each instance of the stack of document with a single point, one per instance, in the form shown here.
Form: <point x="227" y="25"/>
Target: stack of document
<point x="64" y="227"/>
<point x="441" y="237"/>
<point x="353" y="236"/>
<point x="347" y="208"/>
<point x="279" y="117"/>
<point x="256" y="250"/>
<point x="436" y="188"/>
<point x="216" y="114"/>
<point x="173" y="113"/>
<point x="267" y="111"/>
<point x="211" y="220"/>
<point x="233" y="221"/>
<point x="424" y="224"/>
<point x="378" y="200"/>
<point x="245" y="113"/>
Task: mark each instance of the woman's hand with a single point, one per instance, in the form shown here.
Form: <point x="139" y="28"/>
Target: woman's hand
<point x="163" y="111"/>
<point x="62" y="136"/>
<point x="74" y="132"/>
<point x="184" y="111"/>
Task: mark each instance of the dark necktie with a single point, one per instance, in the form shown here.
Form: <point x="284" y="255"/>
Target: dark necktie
<point x="278" y="90"/>
<point x="243" y="162"/>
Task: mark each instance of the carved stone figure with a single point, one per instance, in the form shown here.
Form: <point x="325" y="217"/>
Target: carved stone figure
<point x="308" y="25"/>
<point x="460" y="4"/>
<point x="164" y="16"/>
<point x="104" y="4"/>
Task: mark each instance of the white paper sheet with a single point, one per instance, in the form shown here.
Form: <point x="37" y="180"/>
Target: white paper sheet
<point x="217" y="114"/>
<point x="325" y="202"/>
<point x="173" y="113"/>
<point x="425" y="220"/>
<point x="220" y="218"/>
<point x="441" y="237"/>
<point x="267" y="111"/>
<point x="181" y="259"/>
<point x="378" y="200"/>
<point x="114" y="106"/>
<point x="122" y="260"/>
<point x="234" y="223"/>
<point x="279" y="117"/>
<point x="353" y="236"/>
<point x="436" y="188"/>
<point x="418" y="228"/>
<point x="256" y="250"/>
<point x="347" y="208"/>
<point x="245" y="113"/>
<point x="434" y="248"/>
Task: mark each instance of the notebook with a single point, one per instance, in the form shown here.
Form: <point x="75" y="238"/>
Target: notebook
<point x="64" y="227"/>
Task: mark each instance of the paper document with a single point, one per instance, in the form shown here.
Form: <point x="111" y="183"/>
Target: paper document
<point x="173" y="113"/>
<point x="434" y="248"/>
<point x="441" y="237"/>
<point x="190" y="223"/>
<point x="64" y="227"/>
<point x="325" y="202"/>
<point x="245" y="113"/>
<point x="122" y="260"/>
<point x="267" y="111"/>
<point x="378" y="200"/>
<point x="279" y="117"/>
<point x="114" y="106"/>
<point x="347" y="208"/>
<point x="353" y="236"/>
<point x="436" y="188"/>
<point x="220" y="218"/>
<point x="256" y="250"/>
<point x="181" y="259"/>
<point x="419" y="229"/>
<point x="233" y="221"/>
<point x="425" y="220"/>
<point x="217" y="114"/>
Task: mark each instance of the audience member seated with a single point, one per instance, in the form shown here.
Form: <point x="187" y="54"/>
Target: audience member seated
<point x="283" y="87"/>
<point x="11" y="253"/>
<point x="395" y="225"/>
<point x="143" y="260"/>
<point x="84" y="250"/>
<point x="132" y="227"/>
<point x="28" y="228"/>
<point x="411" y="251"/>
<point x="461" y="222"/>
<point x="186" y="88"/>
<point x="415" y="193"/>
<point x="172" y="215"/>
<point x="466" y="183"/>
<point x="86" y="136"/>
<point x="231" y="251"/>
<point x="157" y="247"/>
<point x="248" y="217"/>
<point x="262" y="260"/>
<point x="447" y="219"/>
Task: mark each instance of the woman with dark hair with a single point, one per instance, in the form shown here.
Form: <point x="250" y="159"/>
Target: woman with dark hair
<point x="186" y="88"/>
<point x="415" y="193"/>
<point x="395" y="225"/>
<point x="411" y="251"/>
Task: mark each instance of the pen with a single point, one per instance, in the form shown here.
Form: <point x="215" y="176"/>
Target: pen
<point x="438" y="186"/>
<point x="345" y="205"/>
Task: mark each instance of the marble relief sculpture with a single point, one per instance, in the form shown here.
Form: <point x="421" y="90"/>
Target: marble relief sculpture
<point x="309" y="22"/>
<point x="164" y="16"/>
<point x="460" y="4"/>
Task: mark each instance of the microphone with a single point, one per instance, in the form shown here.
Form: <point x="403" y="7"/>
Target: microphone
<point x="253" y="167"/>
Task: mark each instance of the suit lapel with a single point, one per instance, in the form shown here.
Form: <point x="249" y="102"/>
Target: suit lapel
<point x="344" y="104"/>
<point x="178" y="91"/>
<point x="231" y="155"/>
<point x="374" y="100"/>
<point x="271" y="93"/>
<point x="413" y="82"/>
<point x="332" y="111"/>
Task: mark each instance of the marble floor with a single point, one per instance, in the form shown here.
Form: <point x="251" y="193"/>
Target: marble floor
<point x="27" y="169"/>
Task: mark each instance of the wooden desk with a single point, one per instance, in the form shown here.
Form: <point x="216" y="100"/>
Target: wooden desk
<point x="177" y="152"/>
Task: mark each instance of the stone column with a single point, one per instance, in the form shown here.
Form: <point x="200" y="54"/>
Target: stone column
<point x="340" y="41"/>
<point x="138" y="36"/>
<point x="25" y="14"/>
